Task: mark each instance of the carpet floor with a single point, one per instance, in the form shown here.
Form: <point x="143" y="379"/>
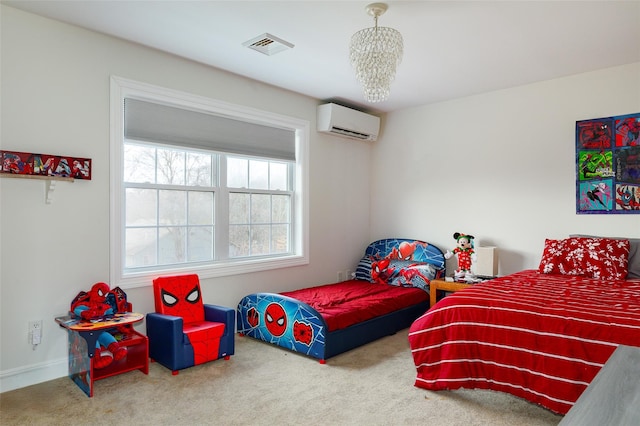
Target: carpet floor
<point x="262" y="385"/>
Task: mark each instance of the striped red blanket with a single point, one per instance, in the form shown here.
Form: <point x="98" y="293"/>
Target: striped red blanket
<point x="539" y="337"/>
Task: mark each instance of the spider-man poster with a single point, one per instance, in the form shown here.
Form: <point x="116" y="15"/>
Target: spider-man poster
<point x="608" y="165"/>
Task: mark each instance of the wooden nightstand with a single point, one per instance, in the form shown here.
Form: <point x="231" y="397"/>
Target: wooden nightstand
<point x="441" y="284"/>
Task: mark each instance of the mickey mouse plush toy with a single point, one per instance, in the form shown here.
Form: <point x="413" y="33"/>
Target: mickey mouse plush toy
<point x="465" y="254"/>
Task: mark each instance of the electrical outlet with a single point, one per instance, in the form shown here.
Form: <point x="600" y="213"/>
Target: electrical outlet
<point x="340" y="276"/>
<point x="35" y="332"/>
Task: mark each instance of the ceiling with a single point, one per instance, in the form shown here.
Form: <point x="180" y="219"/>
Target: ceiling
<point x="452" y="48"/>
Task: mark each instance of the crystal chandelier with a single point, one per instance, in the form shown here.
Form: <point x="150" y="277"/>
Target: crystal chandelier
<point x="375" y="53"/>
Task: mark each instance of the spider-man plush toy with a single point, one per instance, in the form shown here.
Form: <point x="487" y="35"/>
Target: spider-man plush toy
<point x="94" y="305"/>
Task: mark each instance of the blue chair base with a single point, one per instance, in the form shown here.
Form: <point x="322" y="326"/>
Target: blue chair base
<point x="169" y="346"/>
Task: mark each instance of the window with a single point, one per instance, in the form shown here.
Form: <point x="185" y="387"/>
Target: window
<point x="260" y="202"/>
<point x="201" y="186"/>
<point x="168" y="206"/>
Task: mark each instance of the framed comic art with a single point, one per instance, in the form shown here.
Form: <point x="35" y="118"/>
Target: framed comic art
<point x="608" y="165"/>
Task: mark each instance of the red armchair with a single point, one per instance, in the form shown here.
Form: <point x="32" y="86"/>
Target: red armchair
<point x="184" y="331"/>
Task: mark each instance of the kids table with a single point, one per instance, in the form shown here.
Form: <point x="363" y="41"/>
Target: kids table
<point x="83" y="335"/>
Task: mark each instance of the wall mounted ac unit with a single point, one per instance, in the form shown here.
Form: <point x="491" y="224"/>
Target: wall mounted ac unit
<point x="347" y="122"/>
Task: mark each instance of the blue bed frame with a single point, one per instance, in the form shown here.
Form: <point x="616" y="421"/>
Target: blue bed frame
<point x="304" y="330"/>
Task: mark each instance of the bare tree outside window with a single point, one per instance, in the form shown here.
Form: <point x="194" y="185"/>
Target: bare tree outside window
<point x="170" y="205"/>
<point x="259" y="207"/>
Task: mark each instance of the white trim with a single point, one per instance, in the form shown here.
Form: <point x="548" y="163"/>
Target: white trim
<point x="144" y="279"/>
<point x="33" y="374"/>
<point x="121" y="88"/>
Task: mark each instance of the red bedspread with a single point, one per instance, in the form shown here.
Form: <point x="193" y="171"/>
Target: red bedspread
<point x="539" y="337"/>
<point x="350" y="302"/>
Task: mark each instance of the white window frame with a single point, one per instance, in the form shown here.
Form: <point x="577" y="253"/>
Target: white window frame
<point x="123" y="88"/>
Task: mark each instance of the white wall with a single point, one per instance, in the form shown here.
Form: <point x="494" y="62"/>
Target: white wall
<point x="55" y="100"/>
<point x="499" y="166"/>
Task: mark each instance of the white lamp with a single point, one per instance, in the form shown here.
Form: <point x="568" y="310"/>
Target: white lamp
<point x="486" y="263"/>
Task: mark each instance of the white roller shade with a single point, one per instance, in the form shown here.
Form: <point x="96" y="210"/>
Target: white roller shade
<point x="152" y="122"/>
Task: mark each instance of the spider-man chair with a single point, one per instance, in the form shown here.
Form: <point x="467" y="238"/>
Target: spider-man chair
<point x="183" y="331"/>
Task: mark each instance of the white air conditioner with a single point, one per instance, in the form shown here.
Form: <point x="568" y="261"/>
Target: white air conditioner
<point x="347" y="122"/>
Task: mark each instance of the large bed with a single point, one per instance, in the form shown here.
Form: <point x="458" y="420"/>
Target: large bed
<point x="538" y="334"/>
<point x="390" y="290"/>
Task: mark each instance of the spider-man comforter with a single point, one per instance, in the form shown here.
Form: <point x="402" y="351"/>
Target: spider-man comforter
<point x="350" y="302"/>
<point x="539" y="337"/>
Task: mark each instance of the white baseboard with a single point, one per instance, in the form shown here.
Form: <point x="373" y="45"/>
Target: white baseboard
<point x="30" y="375"/>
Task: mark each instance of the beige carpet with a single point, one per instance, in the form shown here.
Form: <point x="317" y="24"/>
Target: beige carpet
<point x="262" y="384"/>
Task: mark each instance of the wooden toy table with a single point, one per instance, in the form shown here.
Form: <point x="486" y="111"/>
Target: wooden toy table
<point x="83" y="335"/>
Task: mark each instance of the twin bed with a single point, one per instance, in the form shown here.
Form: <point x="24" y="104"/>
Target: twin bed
<point x="390" y="290"/>
<point x="540" y="334"/>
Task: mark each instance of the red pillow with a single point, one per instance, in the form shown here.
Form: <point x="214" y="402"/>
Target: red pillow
<point x="599" y="258"/>
<point x="563" y="257"/>
<point x="606" y="259"/>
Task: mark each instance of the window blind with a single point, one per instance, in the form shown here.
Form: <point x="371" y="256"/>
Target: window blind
<point x="153" y="122"/>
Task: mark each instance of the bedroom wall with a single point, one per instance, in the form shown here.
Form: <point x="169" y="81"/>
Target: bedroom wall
<point x="55" y="99"/>
<point x="499" y="166"/>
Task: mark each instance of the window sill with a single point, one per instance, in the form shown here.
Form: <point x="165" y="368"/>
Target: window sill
<point x="144" y="279"/>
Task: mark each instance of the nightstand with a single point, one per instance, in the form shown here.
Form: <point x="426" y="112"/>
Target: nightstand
<point x="441" y="284"/>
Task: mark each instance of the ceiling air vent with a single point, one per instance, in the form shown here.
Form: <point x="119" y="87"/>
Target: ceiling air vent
<point x="268" y="44"/>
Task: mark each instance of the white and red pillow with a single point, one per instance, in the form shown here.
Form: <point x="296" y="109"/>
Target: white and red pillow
<point x="599" y="258"/>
